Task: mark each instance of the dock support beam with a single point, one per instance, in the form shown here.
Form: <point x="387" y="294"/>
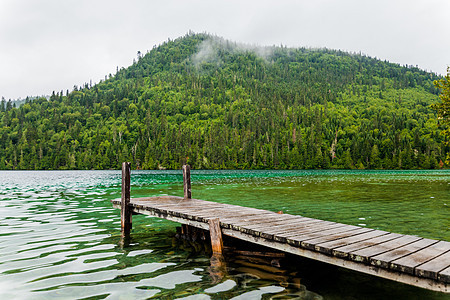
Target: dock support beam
<point x="216" y="236"/>
<point x="125" y="209"/>
<point x="187" y="181"/>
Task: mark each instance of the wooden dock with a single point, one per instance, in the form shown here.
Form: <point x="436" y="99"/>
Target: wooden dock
<point x="404" y="258"/>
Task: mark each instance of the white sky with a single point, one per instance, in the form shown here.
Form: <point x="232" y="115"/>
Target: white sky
<point x="48" y="45"/>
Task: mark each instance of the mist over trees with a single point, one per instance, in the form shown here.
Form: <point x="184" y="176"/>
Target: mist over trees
<point x="217" y="104"/>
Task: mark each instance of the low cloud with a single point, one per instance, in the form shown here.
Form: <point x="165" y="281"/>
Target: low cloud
<point x="209" y="51"/>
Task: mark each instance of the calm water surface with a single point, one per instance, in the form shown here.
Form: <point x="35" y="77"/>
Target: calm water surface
<point x="60" y="237"/>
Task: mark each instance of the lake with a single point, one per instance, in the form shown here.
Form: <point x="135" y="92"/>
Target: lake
<point x="60" y="237"/>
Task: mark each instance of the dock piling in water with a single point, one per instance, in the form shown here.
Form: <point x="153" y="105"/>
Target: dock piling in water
<point x="216" y="236"/>
<point x="187" y="181"/>
<point x="125" y="210"/>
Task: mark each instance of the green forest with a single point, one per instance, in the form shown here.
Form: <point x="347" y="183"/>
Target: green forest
<point x="216" y="104"/>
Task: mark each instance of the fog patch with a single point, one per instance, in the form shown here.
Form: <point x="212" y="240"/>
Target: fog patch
<point x="210" y="51"/>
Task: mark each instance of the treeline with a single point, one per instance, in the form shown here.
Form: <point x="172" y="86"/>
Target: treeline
<point x="216" y="104"/>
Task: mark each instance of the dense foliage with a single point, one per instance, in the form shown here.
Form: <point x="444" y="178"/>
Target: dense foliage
<point x="217" y="104"/>
<point x="443" y="107"/>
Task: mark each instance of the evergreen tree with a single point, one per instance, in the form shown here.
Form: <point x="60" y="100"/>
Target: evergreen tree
<point x="443" y="108"/>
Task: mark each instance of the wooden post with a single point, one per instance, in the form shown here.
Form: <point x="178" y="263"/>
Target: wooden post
<point x="125" y="210"/>
<point x="187" y="181"/>
<point x="216" y="236"/>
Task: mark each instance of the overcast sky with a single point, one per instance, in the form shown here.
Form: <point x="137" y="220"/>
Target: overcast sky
<point x="48" y="45"/>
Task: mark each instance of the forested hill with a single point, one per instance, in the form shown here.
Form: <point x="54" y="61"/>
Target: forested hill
<point x="217" y="104"/>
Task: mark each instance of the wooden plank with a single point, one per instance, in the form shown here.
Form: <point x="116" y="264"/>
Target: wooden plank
<point x="286" y="224"/>
<point x="243" y="218"/>
<point x="327" y="247"/>
<point x="316" y="228"/>
<point x="278" y="218"/>
<point x="289" y="226"/>
<point x="202" y="217"/>
<point x="206" y="213"/>
<point x="284" y="231"/>
<point x="200" y="207"/>
<point x="244" y="214"/>
<point x="192" y="210"/>
<point x="179" y="202"/>
<point x="444" y="275"/>
<point x="216" y="236"/>
<point x="297" y="229"/>
<point x="275" y="223"/>
<point x="311" y="243"/>
<point x="268" y="216"/>
<point x="284" y="237"/>
<point x="246" y="223"/>
<point x="434" y="260"/>
<point x="187" y="181"/>
<point x="363" y="255"/>
<point x="267" y="230"/>
<point x="167" y="206"/>
<point x="168" y="209"/>
<point x="158" y="199"/>
<point x="161" y="201"/>
<point x="125" y="209"/>
<point x="309" y="227"/>
<point x="344" y="251"/>
<point x="383" y="259"/>
<point x="184" y="205"/>
<point x="201" y="211"/>
<point x="298" y="237"/>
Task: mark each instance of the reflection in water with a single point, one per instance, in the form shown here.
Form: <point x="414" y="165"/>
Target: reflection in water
<point x="61" y="239"/>
<point x="218" y="268"/>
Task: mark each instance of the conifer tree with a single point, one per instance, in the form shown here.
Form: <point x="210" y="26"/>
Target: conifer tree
<point x="443" y="108"/>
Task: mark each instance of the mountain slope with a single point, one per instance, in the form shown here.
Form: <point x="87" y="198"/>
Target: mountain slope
<point x="217" y="104"/>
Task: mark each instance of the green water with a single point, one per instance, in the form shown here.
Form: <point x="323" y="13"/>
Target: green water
<point x="60" y="237"/>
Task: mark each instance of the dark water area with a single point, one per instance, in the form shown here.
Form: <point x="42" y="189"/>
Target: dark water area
<point x="60" y="236"/>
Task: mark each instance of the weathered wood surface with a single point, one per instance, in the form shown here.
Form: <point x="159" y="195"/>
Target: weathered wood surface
<point x="404" y="258"/>
<point x="187" y="181"/>
<point x="216" y="236"/>
<point x="125" y="209"/>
